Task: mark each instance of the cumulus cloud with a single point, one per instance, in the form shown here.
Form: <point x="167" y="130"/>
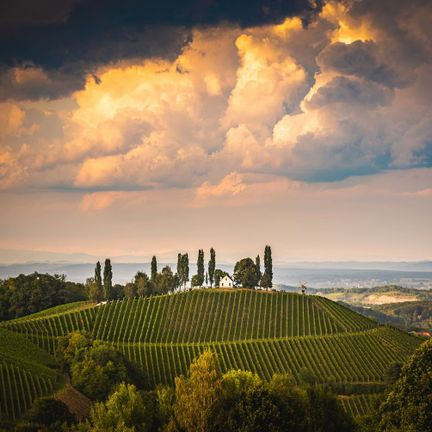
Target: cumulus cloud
<point x="77" y="37"/>
<point x="350" y="92"/>
<point x="231" y="184"/>
<point x="11" y="118"/>
<point x="340" y="97"/>
<point x="360" y="59"/>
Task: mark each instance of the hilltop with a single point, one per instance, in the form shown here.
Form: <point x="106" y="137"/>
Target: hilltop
<point x="264" y="332"/>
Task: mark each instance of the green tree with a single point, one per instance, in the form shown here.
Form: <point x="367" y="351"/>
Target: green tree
<point x="185" y="268"/>
<point x="267" y="277"/>
<point x="50" y="412"/>
<point x="324" y="413"/>
<point x="166" y="281"/>
<point x="99" y="371"/>
<point x="179" y="269"/>
<point x="258" y="266"/>
<point x="195" y="281"/>
<point x="130" y="290"/>
<point x="408" y="406"/>
<point x="212" y="266"/>
<point x="246" y="273"/>
<point x="218" y="275"/>
<point x="200" y="267"/>
<point x="98" y="281"/>
<point x="153" y="269"/>
<point x="73" y="347"/>
<point x="26" y="294"/>
<point x="143" y="284"/>
<point x="197" y="395"/>
<point x="107" y="279"/>
<point x="126" y="409"/>
<point x="237" y="382"/>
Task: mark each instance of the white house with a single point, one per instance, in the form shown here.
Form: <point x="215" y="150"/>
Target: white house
<point x="226" y="282"/>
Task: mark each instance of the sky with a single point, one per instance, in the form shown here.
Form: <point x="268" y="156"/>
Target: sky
<point x="152" y="127"/>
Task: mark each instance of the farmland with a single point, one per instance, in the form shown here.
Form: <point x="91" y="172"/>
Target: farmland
<point x="264" y="332"/>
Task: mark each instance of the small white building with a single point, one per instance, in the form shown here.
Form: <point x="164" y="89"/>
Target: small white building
<point x="226" y="282"/>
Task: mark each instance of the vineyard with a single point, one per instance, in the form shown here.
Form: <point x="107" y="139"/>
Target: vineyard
<point x="26" y="373"/>
<point x="265" y="332"/>
<point x="358" y="406"/>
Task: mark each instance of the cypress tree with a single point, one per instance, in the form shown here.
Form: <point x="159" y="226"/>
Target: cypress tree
<point x="212" y="266"/>
<point x="107" y="279"/>
<point x="153" y="269"/>
<point x="179" y="263"/>
<point x="258" y="266"/>
<point x="267" y="279"/>
<point x="200" y="267"/>
<point x="98" y="282"/>
<point x="185" y="268"/>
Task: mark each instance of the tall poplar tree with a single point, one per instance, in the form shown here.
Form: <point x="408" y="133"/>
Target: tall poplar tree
<point x="212" y="266"/>
<point x="200" y="267"/>
<point x="185" y="268"/>
<point x="98" y="283"/>
<point x="258" y="266"/>
<point x="153" y="269"/>
<point x="179" y="257"/>
<point x="107" y="279"/>
<point x="267" y="278"/>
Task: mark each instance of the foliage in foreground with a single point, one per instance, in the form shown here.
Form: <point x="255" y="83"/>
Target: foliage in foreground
<point x="207" y="401"/>
<point x="408" y="406"/>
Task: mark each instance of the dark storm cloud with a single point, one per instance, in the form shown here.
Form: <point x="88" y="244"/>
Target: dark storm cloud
<point x="351" y="92"/>
<point x="360" y="59"/>
<point x="76" y="36"/>
<point x="405" y="23"/>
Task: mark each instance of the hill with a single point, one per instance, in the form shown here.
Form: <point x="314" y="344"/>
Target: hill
<point x="265" y="332"/>
<point x="26" y="373"/>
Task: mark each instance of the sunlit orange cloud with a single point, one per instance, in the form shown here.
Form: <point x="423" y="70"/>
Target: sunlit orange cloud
<point x="235" y="190"/>
<point x="347" y="29"/>
<point x="267" y="77"/>
<point x="231" y="184"/>
<point x="11" y="118"/>
<point x="96" y="201"/>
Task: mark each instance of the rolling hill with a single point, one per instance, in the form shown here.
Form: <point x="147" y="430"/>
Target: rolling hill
<point x="265" y="332"/>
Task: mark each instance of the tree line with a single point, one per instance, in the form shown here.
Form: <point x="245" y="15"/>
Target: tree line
<point x="27" y="294"/>
<point x="247" y="273"/>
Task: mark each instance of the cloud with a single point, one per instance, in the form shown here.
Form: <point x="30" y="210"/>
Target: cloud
<point x="267" y="79"/>
<point x="77" y="37"/>
<point x="231" y="184"/>
<point x="318" y="103"/>
<point x="11" y="118"/>
<point x="360" y="59"/>
<point x="351" y="92"/>
<point x="98" y="200"/>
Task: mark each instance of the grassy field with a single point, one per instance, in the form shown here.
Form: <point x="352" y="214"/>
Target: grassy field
<point x="265" y="332"/>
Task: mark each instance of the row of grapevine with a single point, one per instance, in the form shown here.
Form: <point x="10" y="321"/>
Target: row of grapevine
<point x="359" y="405"/>
<point x="213" y="315"/>
<point x="20" y="387"/>
<point x="347" y="319"/>
<point x="43" y="330"/>
<point x="347" y="358"/>
<point x="55" y="310"/>
<point x="199" y="316"/>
